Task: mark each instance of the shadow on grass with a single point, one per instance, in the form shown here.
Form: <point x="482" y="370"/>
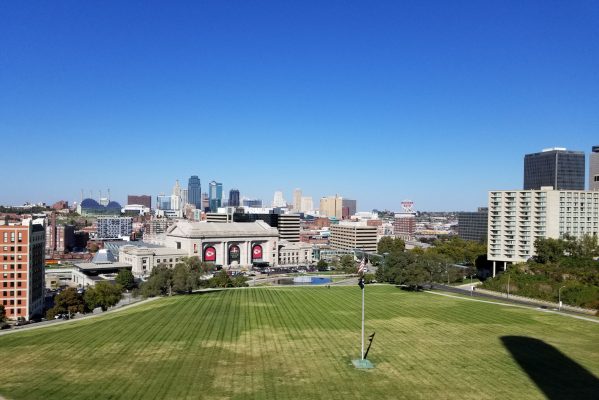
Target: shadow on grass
<point x="558" y="376"/>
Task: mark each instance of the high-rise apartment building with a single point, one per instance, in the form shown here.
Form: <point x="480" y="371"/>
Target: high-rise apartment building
<point x="143" y="200"/>
<point x="518" y="217"/>
<point x="234" y="198"/>
<point x="555" y="167"/>
<point x="216" y="195"/>
<point x="594" y="169"/>
<point x="473" y="225"/>
<point x="22" y="260"/>
<point x="194" y="191"/>
<point x="354" y="235"/>
<point x="114" y="227"/>
<point x="297" y="200"/>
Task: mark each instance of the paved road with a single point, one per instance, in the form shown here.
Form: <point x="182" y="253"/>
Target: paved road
<point x="566" y="314"/>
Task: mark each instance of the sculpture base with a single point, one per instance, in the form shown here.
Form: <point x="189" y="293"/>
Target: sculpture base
<point x="362" y="364"/>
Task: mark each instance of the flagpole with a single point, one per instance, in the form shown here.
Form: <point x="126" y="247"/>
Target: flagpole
<point x="362" y="349"/>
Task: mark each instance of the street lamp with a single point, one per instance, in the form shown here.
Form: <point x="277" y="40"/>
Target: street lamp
<point x="559" y="297"/>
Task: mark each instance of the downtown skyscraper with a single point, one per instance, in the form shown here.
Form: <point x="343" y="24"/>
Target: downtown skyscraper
<point x="194" y="192"/>
<point x="215" y="195"/>
<point x="555" y="167"/>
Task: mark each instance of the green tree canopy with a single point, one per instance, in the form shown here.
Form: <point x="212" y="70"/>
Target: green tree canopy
<point x="125" y="279"/>
<point x="390" y="245"/>
<point x="104" y="295"/>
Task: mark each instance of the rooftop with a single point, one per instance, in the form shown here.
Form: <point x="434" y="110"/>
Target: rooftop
<point x="184" y="228"/>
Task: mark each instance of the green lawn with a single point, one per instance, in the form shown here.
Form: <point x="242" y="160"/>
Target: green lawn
<point x="298" y="342"/>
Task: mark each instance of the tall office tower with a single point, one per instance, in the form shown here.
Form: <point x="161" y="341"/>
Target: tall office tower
<point x="473" y="225"/>
<point x="348" y="208"/>
<point x="307" y="204"/>
<point x="205" y="201"/>
<point x="297" y="200"/>
<point x="594" y="169"/>
<point x="176" y="196"/>
<point x="252" y="203"/>
<point x="163" y="202"/>
<point x="331" y="207"/>
<point x="555" y="167"/>
<point x="143" y="200"/>
<point x="233" y="198"/>
<point x="194" y="191"/>
<point x="216" y="195"/>
<point x="184" y="197"/>
<point x="278" y="200"/>
<point x="22" y="248"/>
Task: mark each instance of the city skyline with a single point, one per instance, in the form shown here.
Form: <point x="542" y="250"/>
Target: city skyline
<point x="377" y="102"/>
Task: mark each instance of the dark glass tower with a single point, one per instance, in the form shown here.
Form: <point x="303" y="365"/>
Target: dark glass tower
<point x="194" y="192"/>
<point x="559" y="168"/>
<point x="233" y="198"/>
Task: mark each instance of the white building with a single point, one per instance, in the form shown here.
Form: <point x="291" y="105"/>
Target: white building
<point x="144" y="259"/>
<point x="518" y="217"/>
<point x="295" y="253"/>
<point x="278" y="200"/>
<point x="138" y="208"/>
<point x="231" y="245"/>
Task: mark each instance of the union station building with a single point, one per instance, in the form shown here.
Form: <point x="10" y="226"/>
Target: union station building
<point x="231" y="245"/>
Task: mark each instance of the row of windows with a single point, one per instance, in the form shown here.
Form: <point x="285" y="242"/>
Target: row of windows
<point x="6" y="293"/>
<point x="12" y="248"/>
<point x="12" y="258"/>
<point x="12" y="275"/>
<point x="11" y="302"/>
<point x="13" y="266"/>
<point x="12" y="284"/>
<point x="12" y="237"/>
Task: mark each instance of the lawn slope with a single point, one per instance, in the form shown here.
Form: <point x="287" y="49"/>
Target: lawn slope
<point x="297" y="343"/>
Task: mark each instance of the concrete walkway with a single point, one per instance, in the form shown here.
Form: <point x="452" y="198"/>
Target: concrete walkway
<point x="590" y="319"/>
<point x="39" y="325"/>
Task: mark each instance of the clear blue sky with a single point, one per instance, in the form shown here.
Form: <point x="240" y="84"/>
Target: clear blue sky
<point x="435" y="101"/>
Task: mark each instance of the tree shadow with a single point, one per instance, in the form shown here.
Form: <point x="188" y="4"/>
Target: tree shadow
<point x="558" y="376"/>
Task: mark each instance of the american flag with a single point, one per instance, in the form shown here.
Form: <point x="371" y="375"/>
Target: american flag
<point x="362" y="267"/>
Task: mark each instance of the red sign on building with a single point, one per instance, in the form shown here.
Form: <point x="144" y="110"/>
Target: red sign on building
<point x="210" y="254"/>
<point x="257" y="252"/>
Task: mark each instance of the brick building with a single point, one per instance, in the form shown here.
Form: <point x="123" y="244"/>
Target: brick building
<point x="22" y="269"/>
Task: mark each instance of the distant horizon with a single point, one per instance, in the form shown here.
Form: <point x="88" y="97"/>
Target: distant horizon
<point x="380" y="102"/>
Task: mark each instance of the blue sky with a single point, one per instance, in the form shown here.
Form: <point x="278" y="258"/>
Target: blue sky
<point x="434" y="101"/>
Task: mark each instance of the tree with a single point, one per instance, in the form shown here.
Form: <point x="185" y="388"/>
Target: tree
<point x="322" y="265"/>
<point x="239" y="281"/>
<point x="182" y="281"/>
<point x="104" y="295"/>
<point x="67" y="302"/>
<point x="125" y="279"/>
<point x="549" y="250"/>
<point x="347" y="264"/>
<point x="221" y="279"/>
<point x="159" y="283"/>
<point x="2" y="313"/>
<point x="389" y="245"/>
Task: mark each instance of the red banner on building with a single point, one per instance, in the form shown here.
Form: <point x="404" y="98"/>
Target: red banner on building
<point x="257" y="252"/>
<point x="210" y="254"/>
